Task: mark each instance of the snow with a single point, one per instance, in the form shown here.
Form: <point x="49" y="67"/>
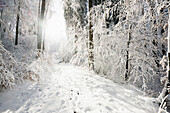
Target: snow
<point x="71" y="89"/>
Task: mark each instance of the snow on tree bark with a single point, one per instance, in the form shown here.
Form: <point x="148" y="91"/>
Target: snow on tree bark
<point x="17" y="24"/>
<point x="166" y="89"/>
<point x="41" y="26"/>
<point x="91" y="45"/>
<point x="127" y="74"/>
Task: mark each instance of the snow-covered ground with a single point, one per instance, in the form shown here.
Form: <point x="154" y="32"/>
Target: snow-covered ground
<point x="71" y="89"/>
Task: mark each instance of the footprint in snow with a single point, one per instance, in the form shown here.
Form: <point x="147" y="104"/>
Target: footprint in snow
<point x="111" y="100"/>
<point x="57" y="93"/>
<point x="87" y="109"/>
<point x="108" y="108"/>
<point x="99" y="104"/>
<point x="62" y="102"/>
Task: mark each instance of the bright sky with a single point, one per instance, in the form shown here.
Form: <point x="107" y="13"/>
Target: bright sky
<point x="55" y="27"/>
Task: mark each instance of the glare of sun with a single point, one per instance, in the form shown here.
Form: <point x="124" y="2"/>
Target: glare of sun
<point x="51" y="28"/>
<point x="55" y="29"/>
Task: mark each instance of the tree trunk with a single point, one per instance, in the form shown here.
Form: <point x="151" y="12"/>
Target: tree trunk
<point x="17" y="25"/>
<point x="91" y="45"/>
<point x="165" y="90"/>
<point x="1" y="16"/>
<point x="127" y="54"/>
<point x="40" y="34"/>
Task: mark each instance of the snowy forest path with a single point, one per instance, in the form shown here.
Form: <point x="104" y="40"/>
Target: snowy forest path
<point x="71" y="89"/>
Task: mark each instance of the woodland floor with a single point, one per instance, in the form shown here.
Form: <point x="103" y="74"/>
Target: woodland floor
<point x="71" y="89"/>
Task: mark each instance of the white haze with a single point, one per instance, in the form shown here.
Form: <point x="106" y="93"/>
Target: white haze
<point x="55" y="27"/>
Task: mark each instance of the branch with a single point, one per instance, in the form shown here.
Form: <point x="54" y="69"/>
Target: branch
<point x="6" y="28"/>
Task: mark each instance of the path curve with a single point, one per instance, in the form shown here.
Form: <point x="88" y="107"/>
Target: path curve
<point x="73" y="89"/>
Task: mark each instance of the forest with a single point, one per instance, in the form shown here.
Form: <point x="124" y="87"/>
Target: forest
<point x="84" y="56"/>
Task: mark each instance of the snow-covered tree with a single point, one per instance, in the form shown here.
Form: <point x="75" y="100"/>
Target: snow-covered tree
<point x="18" y="23"/>
<point x="128" y="41"/>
